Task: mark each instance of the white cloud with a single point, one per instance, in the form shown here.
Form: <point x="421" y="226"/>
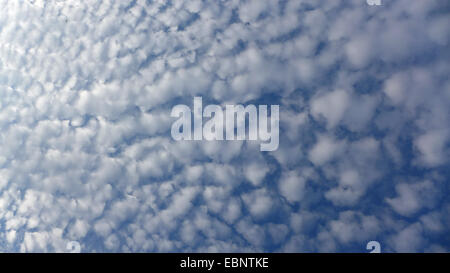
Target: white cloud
<point x="325" y="149"/>
<point x="353" y="226"/>
<point x="292" y="186"/>
<point x="259" y="203"/>
<point x="331" y="106"/>
<point x="410" y="239"/>
<point x="433" y="148"/>
<point x="413" y="197"/>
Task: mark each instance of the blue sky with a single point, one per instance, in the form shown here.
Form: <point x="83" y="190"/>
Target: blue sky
<point x="86" y="154"/>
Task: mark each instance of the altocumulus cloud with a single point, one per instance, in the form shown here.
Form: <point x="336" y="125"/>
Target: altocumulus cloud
<point x="86" y="89"/>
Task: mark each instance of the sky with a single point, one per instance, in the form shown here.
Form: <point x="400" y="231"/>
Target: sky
<point x="86" y="152"/>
